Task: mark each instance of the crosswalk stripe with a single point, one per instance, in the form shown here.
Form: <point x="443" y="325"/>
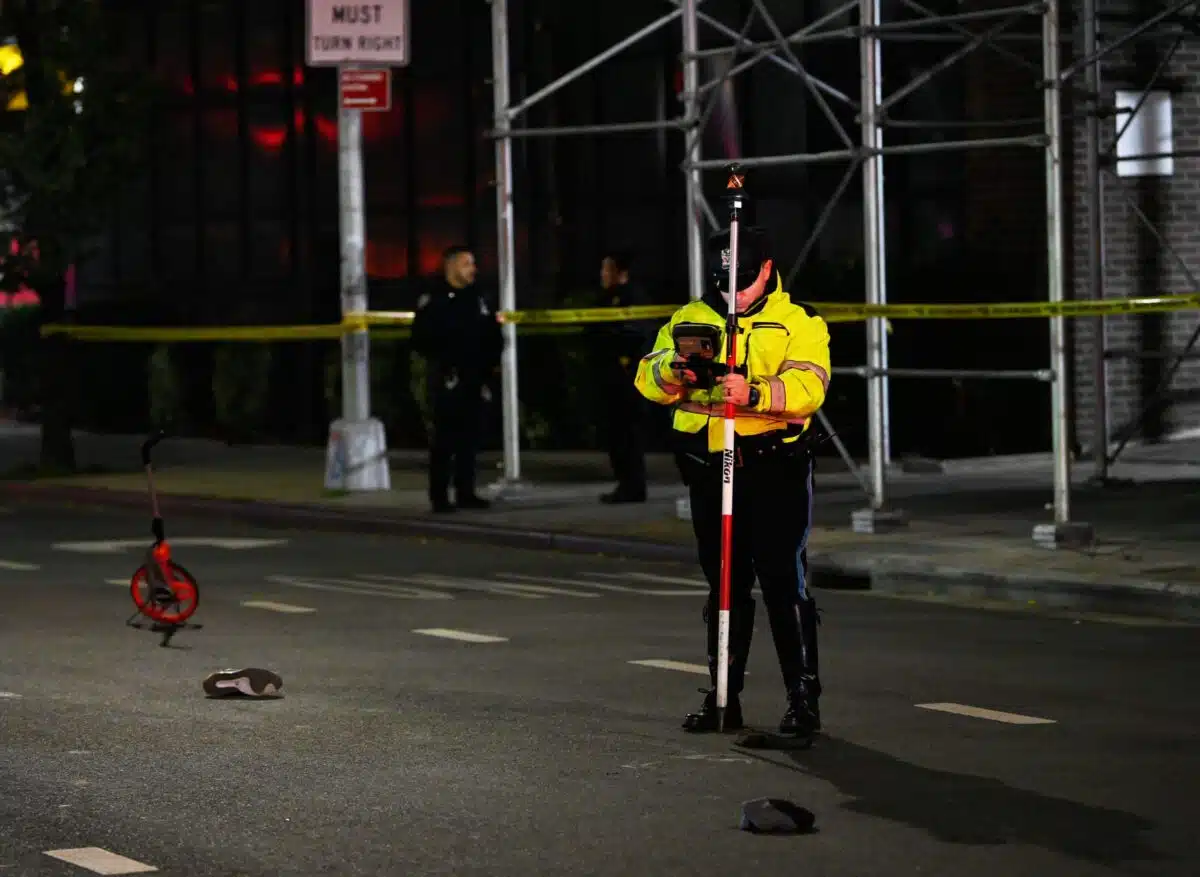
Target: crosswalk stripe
<point x="17" y="566"/>
<point x="362" y="589"/>
<point x="527" y="591"/>
<point x="662" y="664"/>
<point x="272" y="606"/>
<point x="976" y="712"/>
<point x="651" y="577"/>
<point x="465" y="636"/>
<point x="100" y="861"/>
<point x="615" y="589"/>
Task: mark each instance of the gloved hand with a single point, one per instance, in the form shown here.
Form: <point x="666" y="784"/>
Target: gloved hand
<point x="686" y="375"/>
<point x="735" y="389"/>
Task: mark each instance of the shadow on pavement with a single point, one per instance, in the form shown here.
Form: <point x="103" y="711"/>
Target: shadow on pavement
<point x="967" y="809"/>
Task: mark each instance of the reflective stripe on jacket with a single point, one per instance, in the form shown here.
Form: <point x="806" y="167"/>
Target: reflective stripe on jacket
<point x="785" y="348"/>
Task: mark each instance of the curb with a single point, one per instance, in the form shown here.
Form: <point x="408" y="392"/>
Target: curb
<point x="899" y="575"/>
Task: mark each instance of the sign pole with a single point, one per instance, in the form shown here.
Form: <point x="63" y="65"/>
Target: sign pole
<point x="345" y="36"/>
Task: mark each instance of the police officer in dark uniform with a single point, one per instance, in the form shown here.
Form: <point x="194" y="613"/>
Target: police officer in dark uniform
<point x="781" y="378"/>
<point x="458" y="334"/>
<point x="618" y="346"/>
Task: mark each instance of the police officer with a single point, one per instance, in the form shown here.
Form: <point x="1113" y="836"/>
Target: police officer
<point x="779" y="383"/>
<point x="459" y="336"/>
<point x="618" y="346"/>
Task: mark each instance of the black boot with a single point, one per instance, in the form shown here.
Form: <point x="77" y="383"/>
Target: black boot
<point x="803" y="717"/>
<point x="741" y="631"/>
<point x="705" y="720"/>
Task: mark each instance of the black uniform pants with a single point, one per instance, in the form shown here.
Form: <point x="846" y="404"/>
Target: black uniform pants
<point x="772" y="512"/>
<point x="457" y="423"/>
<point x="624" y="431"/>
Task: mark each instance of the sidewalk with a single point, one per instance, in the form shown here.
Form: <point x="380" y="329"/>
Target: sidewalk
<point x="970" y="533"/>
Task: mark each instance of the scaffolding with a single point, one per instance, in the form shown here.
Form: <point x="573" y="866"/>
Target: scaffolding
<point x="864" y="156"/>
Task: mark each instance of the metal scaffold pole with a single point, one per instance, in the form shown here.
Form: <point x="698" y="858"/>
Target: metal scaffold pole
<point x="506" y="247"/>
<point x="874" y="518"/>
<point x="1062" y="531"/>
<point x="1095" y="247"/>
<point x="692" y="136"/>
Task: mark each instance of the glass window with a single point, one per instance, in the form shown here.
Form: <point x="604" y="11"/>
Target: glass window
<point x="218" y="41"/>
<point x="270" y="251"/>
<point x="177" y="251"/>
<point x="440" y="147"/>
<point x="387" y="247"/>
<point x="173" y="47"/>
<point x="175" y="159"/>
<point x="222" y="164"/>
<point x="270" y="131"/>
<point x="266" y="49"/>
<point x="222" y="253"/>
<point x="385" y="164"/>
<point x="135" y="266"/>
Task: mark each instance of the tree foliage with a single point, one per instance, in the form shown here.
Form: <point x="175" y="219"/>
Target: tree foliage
<point x="67" y="156"/>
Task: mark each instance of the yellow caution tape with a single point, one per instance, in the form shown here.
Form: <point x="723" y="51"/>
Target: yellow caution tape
<point x="568" y="320"/>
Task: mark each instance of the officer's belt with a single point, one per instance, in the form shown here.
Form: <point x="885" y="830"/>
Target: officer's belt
<point x="748" y="449"/>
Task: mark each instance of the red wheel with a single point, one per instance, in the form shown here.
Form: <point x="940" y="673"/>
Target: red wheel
<point x="174" y="609"/>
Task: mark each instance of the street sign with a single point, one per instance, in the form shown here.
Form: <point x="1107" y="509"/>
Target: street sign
<point x="369" y="90"/>
<point x="357" y="33"/>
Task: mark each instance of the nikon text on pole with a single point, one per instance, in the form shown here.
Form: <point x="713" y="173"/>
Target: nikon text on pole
<point x="735" y="192"/>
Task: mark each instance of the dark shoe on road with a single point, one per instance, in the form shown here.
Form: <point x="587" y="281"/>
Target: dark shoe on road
<point x="250" y="682"/>
<point x="803" y="717"/>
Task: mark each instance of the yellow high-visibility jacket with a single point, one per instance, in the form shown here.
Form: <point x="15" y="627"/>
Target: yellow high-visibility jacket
<point x="785" y="348"/>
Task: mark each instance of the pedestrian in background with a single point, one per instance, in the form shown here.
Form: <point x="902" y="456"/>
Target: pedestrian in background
<point x="618" y="347"/>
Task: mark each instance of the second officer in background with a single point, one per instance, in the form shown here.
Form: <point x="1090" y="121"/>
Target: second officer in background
<point x="782" y="375"/>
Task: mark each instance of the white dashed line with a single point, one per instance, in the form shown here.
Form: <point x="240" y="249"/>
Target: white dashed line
<point x="271" y="606"/>
<point x="360" y="588"/>
<point x="976" y="712"/>
<point x="680" y="666"/>
<point x="651" y="577"/>
<point x="529" y="592"/>
<point x="596" y="586"/>
<point x="124" y="583"/>
<point x="17" y="566"/>
<point x="464" y="636"/>
<point x="9" y="695"/>
<point x="100" y="861"/>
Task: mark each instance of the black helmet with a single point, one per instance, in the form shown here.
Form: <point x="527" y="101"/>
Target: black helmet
<point x="753" y="250"/>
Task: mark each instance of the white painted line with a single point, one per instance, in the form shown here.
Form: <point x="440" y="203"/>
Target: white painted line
<point x="651" y="577"/>
<point x="124" y="583"/>
<point x="976" y="712"/>
<point x="362" y="589"/>
<point x="100" y="861"/>
<point x="659" y="664"/>
<point x="116" y="546"/>
<point x="17" y="566"/>
<point x="464" y="636"/>
<point x="596" y="586"/>
<point x="529" y="592"/>
<point x="271" y="606"/>
<point x="9" y="695"/>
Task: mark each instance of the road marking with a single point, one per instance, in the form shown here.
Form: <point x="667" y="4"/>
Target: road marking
<point x="528" y="592"/>
<point x="661" y="664"/>
<point x="116" y="546"/>
<point x="17" y="566"/>
<point x="651" y="577"/>
<point x="596" y="586"/>
<point x="100" y="861"/>
<point x="271" y="606"/>
<point x="461" y="635"/>
<point x="981" y="713"/>
<point x="124" y="583"/>
<point x="9" y="695"/>
<point x="354" y="586"/>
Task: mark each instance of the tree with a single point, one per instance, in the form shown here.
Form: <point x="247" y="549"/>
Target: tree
<point x="68" y="148"/>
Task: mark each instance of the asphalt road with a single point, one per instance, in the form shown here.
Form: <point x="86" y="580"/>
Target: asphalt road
<point x="544" y="750"/>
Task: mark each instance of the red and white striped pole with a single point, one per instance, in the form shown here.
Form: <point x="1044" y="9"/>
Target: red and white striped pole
<point x="735" y="193"/>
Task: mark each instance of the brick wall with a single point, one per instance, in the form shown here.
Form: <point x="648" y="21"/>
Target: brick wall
<point x="1135" y="263"/>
